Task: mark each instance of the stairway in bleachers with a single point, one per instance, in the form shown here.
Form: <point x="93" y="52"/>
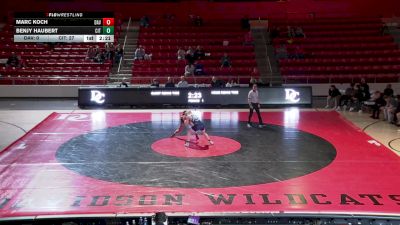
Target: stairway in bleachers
<point x="163" y="40"/>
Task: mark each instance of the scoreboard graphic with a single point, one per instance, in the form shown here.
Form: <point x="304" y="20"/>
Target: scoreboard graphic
<point x="64" y="27"/>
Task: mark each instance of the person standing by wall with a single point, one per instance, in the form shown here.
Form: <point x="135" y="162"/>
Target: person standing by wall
<point x="254" y="104"/>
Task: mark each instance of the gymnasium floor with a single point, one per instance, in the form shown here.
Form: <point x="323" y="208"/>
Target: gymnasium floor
<point x="123" y="161"/>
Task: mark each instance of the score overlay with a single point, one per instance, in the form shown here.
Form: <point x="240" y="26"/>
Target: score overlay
<point x="64" y="27"/>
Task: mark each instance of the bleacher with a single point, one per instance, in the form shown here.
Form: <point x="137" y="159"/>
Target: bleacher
<point x="338" y="51"/>
<point x="51" y="64"/>
<point x="163" y="40"/>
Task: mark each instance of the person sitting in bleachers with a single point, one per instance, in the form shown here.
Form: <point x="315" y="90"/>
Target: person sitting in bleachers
<point x="298" y="52"/>
<point x="90" y="53"/>
<point x="226" y="61"/>
<point x="365" y="89"/>
<point x="197" y="21"/>
<point x="190" y="55"/>
<point x="182" y="83"/>
<point x="13" y="60"/>
<point x="397" y="111"/>
<point x="217" y="83"/>
<point x="357" y="99"/>
<point x="388" y="90"/>
<point x="390" y="109"/>
<point x="199" y="69"/>
<point x="248" y="39"/>
<point x="299" y="33"/>
<point x="181" y="54"/>
<point x="378" y="104"/>
<point x="144" y="21"/>
<point x="139" y="53"/>
<point x="290" y="32"/>
<point x="245" y="22"/>
<point x="189" y="70"/>
<point x="100" y="57"/>
<point x="199" y="53"/>
<point x="148" y="56"/>
<point x="252" y="81"/>
<point x="333" y="96"/>
<point x="281" y="52"/>
<point x="170" y="83"/>
<point x="155" y="83"/>
<point x="345" y="99"/>
<point x="108" y="48"/>
<point x="231" y="83"/>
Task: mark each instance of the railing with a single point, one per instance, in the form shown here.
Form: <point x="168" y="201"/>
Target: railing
<point x="123" y="47"/>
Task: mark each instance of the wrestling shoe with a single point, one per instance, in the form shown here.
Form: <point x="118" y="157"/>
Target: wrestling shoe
<point x="210" y="142"/>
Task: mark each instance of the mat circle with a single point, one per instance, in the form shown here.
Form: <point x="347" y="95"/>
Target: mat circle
<point x="197" y="148"/>
<point x="123" y="154"/>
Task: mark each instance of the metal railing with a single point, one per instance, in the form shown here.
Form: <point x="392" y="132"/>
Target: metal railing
<point x="123" y="47"/>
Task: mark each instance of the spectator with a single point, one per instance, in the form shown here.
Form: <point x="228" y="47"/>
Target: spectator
<point x="388" y="90"/>
<point x="226" y="61"/>
<point x="245" y="22"/>
<point x="357" y="98"/>
<point x="231" y="83"/>
<point x="13" y="60"/>
<point x="365" y="90"/>
<point x="107" y="51"/>
<point x="100" y="57"/>
<point x="298" y="52"/>
<point x="169" y="18"/>
<point x="119" y="52"/>
<point x="180" y="54"/>
<point x="397" y="111"/>
<point x="155" y="83"/>
<point x="189" y="70"/>
<point x="198" y="21"/>
<point x="90" y="53"/>
<point x="148" y="56"/>
<point x="275" y="32"/>
<point x="182" y="83"/>
<point x="144" y="21"/>
<point x="170" y="83"/>
<point x="190" y="55"/>
<point x="379" y="102"/>
<point x="199" y="69"/>
<point x="333" y="96"/>
<point x="199" y="53"/>
<point x="254" y="73"/>
<point x="281" y="52"/>
<point x="97" y="50"/>
<point x="140" y="53"/>
<point x="299" y="33"/>
<point x="112" y="51"/>
<point x="290" y="32"/>
<point x="216" y="83"/>
<point x="248" y="39"/>
<point x="252" y="81"/>
<point x="390" y="109"/>
<point x="346" y="98"/>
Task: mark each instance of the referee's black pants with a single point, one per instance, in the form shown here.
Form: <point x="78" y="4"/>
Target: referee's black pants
<point x="255" y="107"/>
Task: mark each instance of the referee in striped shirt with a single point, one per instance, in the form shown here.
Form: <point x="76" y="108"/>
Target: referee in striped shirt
<point x="254" y="103"/>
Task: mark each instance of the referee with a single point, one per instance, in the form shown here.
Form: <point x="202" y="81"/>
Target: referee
<point x="254" y="103"/>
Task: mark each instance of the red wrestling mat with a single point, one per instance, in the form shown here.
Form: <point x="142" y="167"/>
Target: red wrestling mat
<point x="106" y="163"/>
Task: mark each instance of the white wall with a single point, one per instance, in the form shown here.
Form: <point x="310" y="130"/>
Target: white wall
<point x="322" y="89"/>
<point x="38" y="91"/>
